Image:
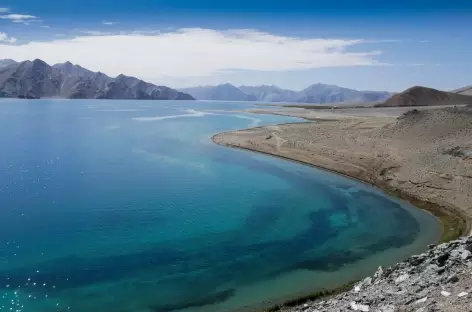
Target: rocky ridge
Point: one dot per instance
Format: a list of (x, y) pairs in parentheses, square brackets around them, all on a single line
[(439, 279), (38, 79)]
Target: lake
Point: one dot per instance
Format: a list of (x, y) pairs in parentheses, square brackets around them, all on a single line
[(128, 206)]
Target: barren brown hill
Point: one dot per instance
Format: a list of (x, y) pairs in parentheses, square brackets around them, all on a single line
[(422, 96), (465, 90)]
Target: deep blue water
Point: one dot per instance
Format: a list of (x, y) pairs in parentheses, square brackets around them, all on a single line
[(128, 206)]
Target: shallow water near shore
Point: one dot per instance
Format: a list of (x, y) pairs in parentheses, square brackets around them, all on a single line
[(129, 206)]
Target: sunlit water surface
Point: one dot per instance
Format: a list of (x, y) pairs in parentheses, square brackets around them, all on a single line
[(120, 206)]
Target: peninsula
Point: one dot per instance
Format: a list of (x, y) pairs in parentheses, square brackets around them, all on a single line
[(421, 154)]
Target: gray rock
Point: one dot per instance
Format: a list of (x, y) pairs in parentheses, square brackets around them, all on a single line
[(417, 260), (440, 270), (455, 253), (445, 293), (468, 246), (378, 274), (442, 258), (422, 300), (466, 255), (359, 307), (388, 308), (423, 293), (401, 278), (452, 279)]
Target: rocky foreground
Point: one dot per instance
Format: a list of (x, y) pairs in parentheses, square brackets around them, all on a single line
[(437, 280)]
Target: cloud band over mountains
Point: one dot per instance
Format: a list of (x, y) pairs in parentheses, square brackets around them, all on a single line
[(194, 52)]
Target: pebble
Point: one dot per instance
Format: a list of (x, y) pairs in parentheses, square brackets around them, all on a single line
[(359, 307), (422, 300), (445, 293), (452, 279), (401, 278), (466, 255), (389, 308)]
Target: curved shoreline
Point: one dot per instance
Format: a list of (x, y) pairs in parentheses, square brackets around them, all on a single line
[(441, 212), (454, 222)]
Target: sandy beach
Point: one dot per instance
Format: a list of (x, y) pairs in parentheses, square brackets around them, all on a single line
[(423, 156)]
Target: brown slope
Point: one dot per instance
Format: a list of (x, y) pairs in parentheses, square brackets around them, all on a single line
[(465, 90), (422, 96)]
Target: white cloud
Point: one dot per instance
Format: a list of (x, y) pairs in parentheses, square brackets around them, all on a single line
[(384, 41), (193, 53), (20, 18), (5, 38), (4, 10), (95, 32), (16, 17), (45, 26), (142, 32), (108, 23), (423, 64)]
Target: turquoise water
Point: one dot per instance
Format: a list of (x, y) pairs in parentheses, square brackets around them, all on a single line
[(129, 206)]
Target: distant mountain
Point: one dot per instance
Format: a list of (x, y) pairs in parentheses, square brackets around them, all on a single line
[(465, 90), (270, 93), (37, 79), (315, 94), (326, 94), (29, 79), (7, 62), (222, 92), (422, 96), (125, 87)]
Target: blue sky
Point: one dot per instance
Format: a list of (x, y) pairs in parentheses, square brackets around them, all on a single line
[(378, 45)]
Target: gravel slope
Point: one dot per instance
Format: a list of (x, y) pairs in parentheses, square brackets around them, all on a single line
[(438, 280)]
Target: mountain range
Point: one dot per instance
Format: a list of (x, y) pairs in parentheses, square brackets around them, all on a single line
[(37, 79), (316, 94)]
